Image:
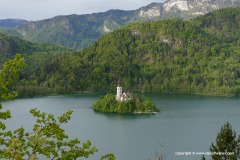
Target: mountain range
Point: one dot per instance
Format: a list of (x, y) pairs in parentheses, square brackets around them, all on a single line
[(80, 31)]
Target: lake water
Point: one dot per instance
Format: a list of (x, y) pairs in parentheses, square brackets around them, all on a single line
[(185, 124)]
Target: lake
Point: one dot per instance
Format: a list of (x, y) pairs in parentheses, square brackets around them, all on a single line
[(185, 124)]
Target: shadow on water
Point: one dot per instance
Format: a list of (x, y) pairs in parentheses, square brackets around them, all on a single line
[(126, 115)]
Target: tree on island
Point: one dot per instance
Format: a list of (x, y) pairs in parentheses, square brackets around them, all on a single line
[(137, 104), (226, 142), (47, 138)]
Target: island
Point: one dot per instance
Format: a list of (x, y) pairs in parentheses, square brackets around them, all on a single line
[(125, 103)]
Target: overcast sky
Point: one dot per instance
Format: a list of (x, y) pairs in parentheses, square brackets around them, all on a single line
[(43, 9)]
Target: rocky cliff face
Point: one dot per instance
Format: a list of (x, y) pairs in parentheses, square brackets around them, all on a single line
[(184, 9), (80, 31)]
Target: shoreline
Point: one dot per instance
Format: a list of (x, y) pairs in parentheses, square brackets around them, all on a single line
[(92, 93)]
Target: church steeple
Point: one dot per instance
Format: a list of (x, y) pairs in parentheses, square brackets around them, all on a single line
[(119, 91), (119, 84)]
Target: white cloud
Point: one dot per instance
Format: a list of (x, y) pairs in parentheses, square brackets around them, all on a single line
[(42, 9)]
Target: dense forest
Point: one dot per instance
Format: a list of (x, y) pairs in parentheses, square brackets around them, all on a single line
[(34, 53), (199, 56)]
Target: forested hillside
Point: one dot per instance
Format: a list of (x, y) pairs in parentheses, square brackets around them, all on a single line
[(36, 56), (197, 56)]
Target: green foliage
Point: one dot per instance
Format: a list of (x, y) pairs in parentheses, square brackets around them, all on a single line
[(109, 156), (226, 142), (8, 75), (199, 56), (46, 139), (137, 104), (7, 92)]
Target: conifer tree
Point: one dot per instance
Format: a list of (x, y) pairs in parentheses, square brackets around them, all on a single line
[(203, 157), (227, 144)]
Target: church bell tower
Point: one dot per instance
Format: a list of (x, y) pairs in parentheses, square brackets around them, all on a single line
[(119, 92)]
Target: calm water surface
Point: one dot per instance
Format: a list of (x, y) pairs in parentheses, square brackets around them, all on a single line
[(186, 123)]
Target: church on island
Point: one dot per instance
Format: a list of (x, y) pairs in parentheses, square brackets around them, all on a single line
[(125, 96), (125, 102)]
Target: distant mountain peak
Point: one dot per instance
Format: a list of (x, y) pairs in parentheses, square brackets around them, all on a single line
[(12, 22), (80, 31)]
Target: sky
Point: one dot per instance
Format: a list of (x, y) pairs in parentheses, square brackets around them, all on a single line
[(43, 9)]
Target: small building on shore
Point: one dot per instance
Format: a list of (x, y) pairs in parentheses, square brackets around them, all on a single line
[(125, 96)]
